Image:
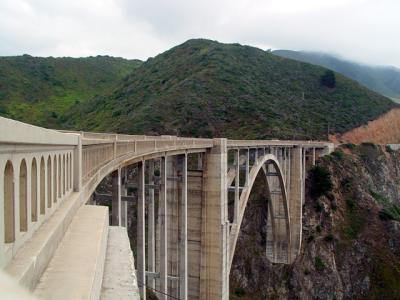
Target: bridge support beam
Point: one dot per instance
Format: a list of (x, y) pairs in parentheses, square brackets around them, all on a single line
[(237, 185), (141, 226), (173, 224), (296, 200), (214, 269), (163, 283), (313, 156), (183, 241), (151, 237), (116, 198), (124, 194)]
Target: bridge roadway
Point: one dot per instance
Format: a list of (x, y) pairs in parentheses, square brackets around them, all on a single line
[(190, 199)]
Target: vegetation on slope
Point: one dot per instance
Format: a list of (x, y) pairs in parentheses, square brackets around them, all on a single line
[(383, 80), (383, 130), (205, 88), (39, 90)]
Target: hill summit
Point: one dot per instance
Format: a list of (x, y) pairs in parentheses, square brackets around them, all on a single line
[(209, 89)]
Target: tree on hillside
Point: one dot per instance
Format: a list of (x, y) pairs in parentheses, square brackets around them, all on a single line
[(328, 79)]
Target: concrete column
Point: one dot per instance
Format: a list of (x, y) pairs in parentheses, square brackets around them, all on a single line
[(313, 156), (214, 267), (115, 145), (151, 251), (163, 231), (237, 185), (173, 225), (285, 164), (141, 250), (116, 198), (195, 200), (295, 201), (183, 243), (124, 192), (303, 175), (200, 161), (248, 166), (289, 166)]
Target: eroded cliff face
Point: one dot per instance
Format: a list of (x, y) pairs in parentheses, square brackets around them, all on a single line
[(351, 234)]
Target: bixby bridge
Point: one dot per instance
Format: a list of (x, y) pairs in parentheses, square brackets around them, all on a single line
[(189, 197)]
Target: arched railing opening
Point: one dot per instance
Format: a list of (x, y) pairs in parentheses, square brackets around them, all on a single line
[(34, 191), (54, 192), (50, 175), (67, 171), (23, 197), (70, 171), (9, 228), (54, 180), (59, 177), (64, 178), (42, 188)]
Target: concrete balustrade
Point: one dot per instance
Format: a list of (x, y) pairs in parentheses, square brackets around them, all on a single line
[(26, 188)]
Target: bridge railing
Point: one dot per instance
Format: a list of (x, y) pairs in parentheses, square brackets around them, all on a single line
[(106, 147), (36, 175), (94, 156), (262, 143)]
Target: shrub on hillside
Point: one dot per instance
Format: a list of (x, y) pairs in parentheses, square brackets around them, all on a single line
[(349, 146), (320, 179), (319, 263), (338, 153), (390, 213), (328, 79), (240, 292)]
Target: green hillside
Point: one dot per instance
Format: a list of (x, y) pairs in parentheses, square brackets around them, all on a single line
[(205, 88), (383, 80), (39, 90)]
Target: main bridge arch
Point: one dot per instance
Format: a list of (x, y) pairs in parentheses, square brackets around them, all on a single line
[(277, 248)]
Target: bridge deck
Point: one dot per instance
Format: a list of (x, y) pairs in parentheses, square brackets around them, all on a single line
[(76, 269)]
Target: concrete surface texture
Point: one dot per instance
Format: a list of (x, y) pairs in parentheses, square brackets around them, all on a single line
[(76, 269), (119, 278)]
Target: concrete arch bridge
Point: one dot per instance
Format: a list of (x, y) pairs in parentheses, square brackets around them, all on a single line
[(189, 195)]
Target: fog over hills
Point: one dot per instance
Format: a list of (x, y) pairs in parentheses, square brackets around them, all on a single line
[(381, 79)]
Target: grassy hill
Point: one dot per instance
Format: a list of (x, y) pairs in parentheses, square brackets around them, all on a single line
[(383, 80), (39, 90), (205, 88)]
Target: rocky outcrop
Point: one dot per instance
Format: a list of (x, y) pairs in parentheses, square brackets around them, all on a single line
[(351, 234)]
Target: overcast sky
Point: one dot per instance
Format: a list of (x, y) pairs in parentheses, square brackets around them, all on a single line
[(364, 30)]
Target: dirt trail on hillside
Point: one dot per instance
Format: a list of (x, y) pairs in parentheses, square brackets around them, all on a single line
[(384, 130)]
